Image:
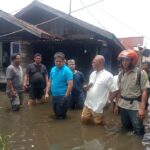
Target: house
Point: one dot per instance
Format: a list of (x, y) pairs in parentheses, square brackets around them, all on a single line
[(16, 36), (131, 42), (58, 31)]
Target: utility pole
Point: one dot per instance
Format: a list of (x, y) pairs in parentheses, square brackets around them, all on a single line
[(70, 7)]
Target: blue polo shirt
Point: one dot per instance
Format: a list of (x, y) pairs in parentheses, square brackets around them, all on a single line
[(59, 80)]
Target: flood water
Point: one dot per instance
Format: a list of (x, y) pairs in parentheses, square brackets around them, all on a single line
[(35, 128)]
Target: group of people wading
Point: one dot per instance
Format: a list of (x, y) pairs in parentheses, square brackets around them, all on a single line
[(67, 87)]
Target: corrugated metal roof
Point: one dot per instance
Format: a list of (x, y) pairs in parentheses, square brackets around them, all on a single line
[(103, 33), (24, 26)]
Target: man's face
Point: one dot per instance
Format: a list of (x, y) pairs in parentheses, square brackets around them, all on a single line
[(17, 61), (59, 62), (72, 65), (96, 64), (145, 66), (125, 63), (37, 59)]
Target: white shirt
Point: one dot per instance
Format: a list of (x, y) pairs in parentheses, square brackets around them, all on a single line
[(116, 80), (97, 95)]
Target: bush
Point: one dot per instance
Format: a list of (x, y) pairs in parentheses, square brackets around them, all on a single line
[(3, 141)]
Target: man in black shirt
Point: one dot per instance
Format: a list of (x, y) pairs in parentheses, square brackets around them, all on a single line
[(36, 75)]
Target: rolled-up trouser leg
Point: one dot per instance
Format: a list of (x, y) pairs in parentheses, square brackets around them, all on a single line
[(86, 115), (98, 118), (15, 103)]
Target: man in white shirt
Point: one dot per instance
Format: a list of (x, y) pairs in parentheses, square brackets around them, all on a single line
[(101, 83)]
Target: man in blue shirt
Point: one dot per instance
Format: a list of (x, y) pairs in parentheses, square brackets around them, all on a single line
[(60, 84)]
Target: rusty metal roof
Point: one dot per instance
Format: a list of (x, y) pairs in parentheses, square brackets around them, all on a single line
[(130, 42), (105, 34), (22, 26)]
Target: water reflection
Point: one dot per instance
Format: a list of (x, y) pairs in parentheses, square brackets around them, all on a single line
[(34, 128)]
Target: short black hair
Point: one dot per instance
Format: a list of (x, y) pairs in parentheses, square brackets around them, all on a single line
[(37, 54), (13, 57), (59, 55)]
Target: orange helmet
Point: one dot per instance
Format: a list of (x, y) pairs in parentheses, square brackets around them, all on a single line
[(131, 54)]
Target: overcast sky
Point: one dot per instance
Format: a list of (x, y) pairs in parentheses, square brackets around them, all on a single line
[(124, 18)]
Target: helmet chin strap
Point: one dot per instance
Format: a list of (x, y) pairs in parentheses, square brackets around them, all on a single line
[(130, 66)]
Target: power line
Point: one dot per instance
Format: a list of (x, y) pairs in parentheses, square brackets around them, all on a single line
[(124, 24), (92, 4), (93, 16)]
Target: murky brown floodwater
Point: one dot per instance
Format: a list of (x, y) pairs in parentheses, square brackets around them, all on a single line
[(32, 128)]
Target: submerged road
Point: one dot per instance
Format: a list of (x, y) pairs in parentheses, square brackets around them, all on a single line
[(36, 128)]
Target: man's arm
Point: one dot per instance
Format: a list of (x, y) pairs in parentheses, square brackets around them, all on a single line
[(141, 112), (69, 88), (144, 96), (10, 87), (112, 95), (46, 75), (46, 79), (9, 76), (47, 89), (116, 107), (26, 79)]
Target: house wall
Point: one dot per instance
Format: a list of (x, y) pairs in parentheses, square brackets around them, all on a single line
[(26, 53)]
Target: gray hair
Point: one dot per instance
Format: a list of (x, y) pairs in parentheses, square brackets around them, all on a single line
[(71, 61), (100, 58)]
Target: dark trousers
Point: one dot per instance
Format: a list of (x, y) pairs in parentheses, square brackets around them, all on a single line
[(36, 93), (77, 101), (130, 120), (60, 106)]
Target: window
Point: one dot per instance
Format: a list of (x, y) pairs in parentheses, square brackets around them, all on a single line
[(6, 51), (15, 47)]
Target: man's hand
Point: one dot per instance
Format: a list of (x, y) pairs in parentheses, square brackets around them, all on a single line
[(46, 97), (108, 104), (25, 86), (141, 113), (13, 93), (116, 110), (87, 87)]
